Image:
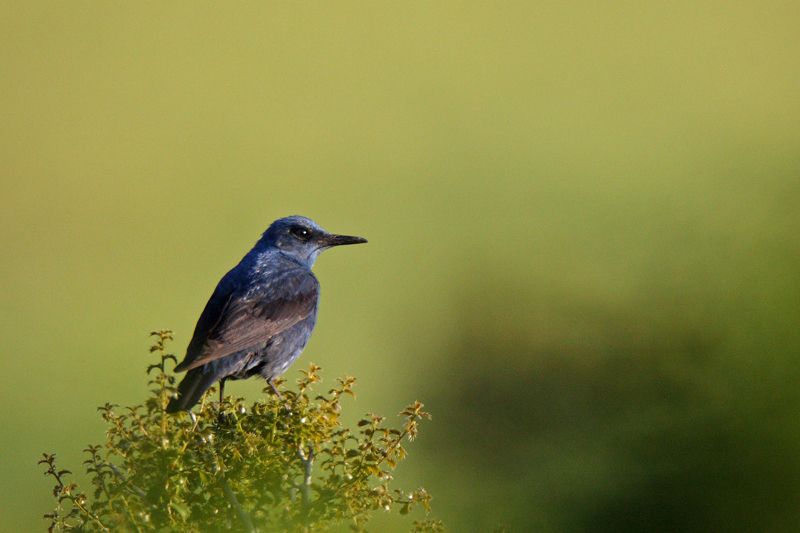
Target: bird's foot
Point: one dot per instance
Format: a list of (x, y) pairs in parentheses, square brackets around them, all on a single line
[(224, 414)]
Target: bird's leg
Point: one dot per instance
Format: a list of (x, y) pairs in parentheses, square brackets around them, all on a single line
[(220, 414), (274, 389), (221, 391)]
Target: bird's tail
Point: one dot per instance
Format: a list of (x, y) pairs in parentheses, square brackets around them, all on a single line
[(191, 389)]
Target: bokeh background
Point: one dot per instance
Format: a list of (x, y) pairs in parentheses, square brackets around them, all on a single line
[(583, 222)]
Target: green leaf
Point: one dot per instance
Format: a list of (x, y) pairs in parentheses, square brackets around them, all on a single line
[(180, 508)]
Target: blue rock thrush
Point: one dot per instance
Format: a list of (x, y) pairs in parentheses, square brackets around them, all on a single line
[(262, 312)]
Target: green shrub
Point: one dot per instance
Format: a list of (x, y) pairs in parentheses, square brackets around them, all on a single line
[(281, 464)]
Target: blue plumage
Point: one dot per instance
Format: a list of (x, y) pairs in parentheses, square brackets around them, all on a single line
[(262, 313)]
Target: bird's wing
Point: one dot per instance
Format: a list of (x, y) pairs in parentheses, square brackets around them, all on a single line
[(232, 322)]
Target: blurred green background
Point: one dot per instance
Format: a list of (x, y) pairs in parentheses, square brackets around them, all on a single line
[(583, 222)]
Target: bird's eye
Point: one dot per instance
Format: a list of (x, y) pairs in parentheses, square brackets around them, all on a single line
[(300, 232)]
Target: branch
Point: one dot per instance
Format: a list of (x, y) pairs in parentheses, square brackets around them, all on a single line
[(243, 516)]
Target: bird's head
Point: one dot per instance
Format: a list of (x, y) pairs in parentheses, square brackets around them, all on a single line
[(303, 239)]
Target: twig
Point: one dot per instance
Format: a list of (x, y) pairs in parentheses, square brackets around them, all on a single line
[(65, 491), (133, 488)]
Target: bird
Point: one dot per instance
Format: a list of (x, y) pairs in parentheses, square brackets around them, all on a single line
[(261, 314)]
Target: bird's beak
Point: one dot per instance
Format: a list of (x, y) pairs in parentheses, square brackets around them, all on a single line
[(339, 240)]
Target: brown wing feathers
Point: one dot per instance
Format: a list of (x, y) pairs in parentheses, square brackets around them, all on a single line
[(248, 320)]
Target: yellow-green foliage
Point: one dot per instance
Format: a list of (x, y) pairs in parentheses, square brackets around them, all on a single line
[(281, 464)]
